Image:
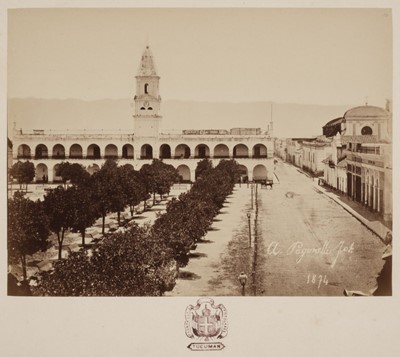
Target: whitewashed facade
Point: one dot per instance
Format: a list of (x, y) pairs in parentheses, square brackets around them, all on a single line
[(252, 149)]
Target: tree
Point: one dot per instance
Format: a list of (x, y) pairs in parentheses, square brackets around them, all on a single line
[(28, 230), (126, 264), (231, 167), (108, 190), (159, 177), (133, 186), (148, 174), (24, 172), (214, 185), (203, 166), (58, 205), (185, 222), (84, 210), (75, 173), (169, 176)]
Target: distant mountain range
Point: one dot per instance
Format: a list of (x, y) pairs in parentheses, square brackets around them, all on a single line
[(290, 120)]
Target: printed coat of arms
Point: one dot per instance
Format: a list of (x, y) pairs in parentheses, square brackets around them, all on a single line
[(206, 322)]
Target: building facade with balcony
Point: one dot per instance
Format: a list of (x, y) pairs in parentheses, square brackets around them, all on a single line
[(252, 149), (280, 149), (362, 151), (314, 153)]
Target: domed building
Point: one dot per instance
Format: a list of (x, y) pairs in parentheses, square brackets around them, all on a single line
[(251, 148), (360, 163)]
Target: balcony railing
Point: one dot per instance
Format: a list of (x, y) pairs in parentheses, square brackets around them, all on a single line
[(182, 157), (24, 156), (375, 150), (147, 157), (93, 157), (58, 156)]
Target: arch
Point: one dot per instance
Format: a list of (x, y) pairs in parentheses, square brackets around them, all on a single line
[(165, 151), (260, 151), (111, 152), (58, 151), (202, 151), (182, 151), (240, 151), (55, 177), (184, 172), (93, 151), (75, 151), (93, 169), (260, 172), (127, 151), (221, 151), (24, 152), (366, 130), (41, 173), (41, 152), (146, 152)]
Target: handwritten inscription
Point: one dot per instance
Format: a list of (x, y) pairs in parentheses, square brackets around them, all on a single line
[(317, 279), (300, 251)]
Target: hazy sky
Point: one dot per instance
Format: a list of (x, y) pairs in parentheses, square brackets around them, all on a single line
[(316, 56)]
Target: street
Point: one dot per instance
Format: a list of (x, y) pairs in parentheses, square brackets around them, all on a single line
[(308, 245)]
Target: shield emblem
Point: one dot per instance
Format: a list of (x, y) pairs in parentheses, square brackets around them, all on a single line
[(206, 321)]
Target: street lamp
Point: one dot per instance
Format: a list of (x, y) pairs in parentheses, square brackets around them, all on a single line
[(242, 279), (252, 186), (248, 218)]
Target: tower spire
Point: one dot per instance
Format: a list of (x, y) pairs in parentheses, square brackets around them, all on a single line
[(271, 124), (147, 66), (147, 99)]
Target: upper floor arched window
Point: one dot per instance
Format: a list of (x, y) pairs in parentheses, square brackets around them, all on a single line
[(366, 130)]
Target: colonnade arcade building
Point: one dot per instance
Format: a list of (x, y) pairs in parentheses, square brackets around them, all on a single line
[(251, 148)]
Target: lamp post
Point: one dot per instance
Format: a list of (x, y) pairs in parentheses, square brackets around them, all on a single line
[(243, 279), (252, 186), (248, 218)]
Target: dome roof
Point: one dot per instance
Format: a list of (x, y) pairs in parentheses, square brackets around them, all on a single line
[(366, 111)]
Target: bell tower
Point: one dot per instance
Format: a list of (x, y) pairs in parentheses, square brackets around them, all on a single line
[(147, 99)]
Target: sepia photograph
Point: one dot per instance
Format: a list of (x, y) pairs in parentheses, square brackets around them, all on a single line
[(186, 176), (199, 152)]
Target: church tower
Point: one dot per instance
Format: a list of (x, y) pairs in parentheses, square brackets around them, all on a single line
[(147, 99)]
